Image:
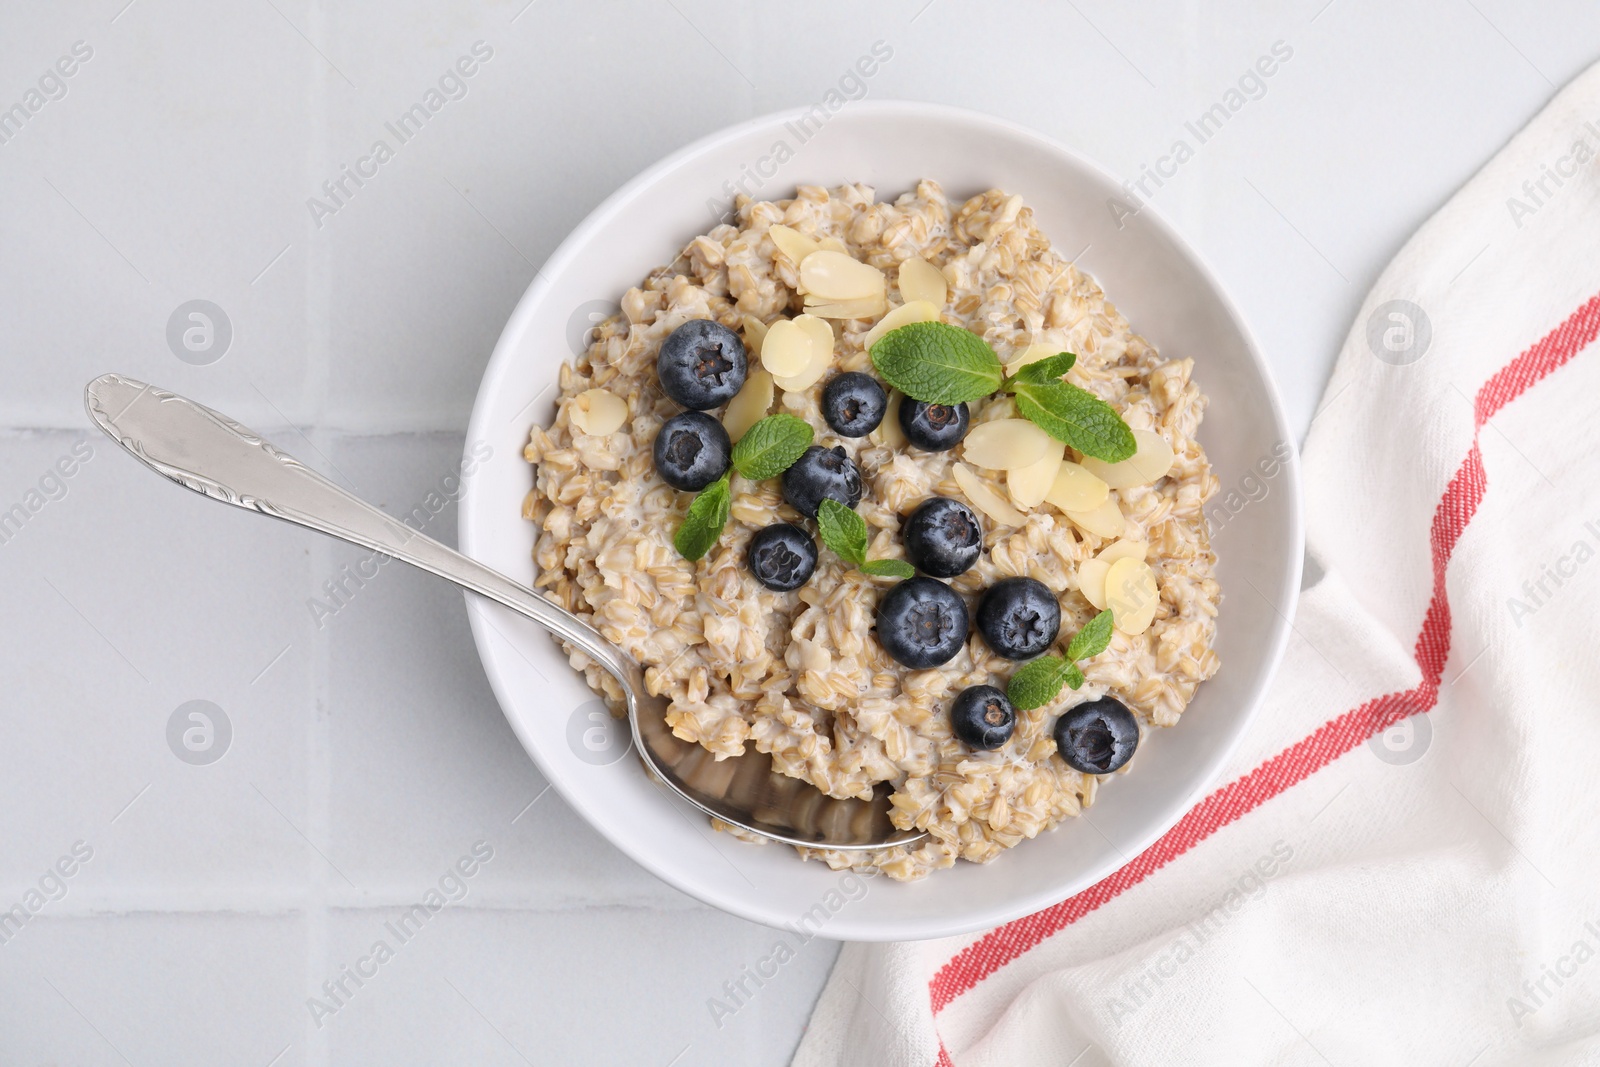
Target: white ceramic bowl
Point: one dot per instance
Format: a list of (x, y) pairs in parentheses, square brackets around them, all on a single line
[(1149, 273)]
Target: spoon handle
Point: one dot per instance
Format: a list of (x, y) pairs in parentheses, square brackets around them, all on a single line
[(208, 452)]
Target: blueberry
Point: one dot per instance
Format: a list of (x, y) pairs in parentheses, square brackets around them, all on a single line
[(1097, 737), (1019, 617), (933, 427), (782, 556), (702, 364), (982, 717), (818, 473), (922, 623), (692, 451), (942, 537), (854, 403)]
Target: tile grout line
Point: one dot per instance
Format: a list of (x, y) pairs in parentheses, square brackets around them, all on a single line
[(319, 771)]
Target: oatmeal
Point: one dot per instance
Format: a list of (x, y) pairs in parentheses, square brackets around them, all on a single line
[(791, 661)]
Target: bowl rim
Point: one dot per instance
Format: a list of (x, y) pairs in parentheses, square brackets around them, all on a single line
[(468, 531)]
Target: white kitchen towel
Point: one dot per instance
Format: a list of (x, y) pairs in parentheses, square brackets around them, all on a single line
[(1402, 863)]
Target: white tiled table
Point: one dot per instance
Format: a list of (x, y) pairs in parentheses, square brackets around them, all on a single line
[(367, 755)]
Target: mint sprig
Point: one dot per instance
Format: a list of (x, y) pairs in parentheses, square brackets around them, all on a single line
[(1039, 681), (1093, 639), (941, 364), (766, 450), (937, 363), (1076, 416), (771, 446), (845, 533), (1049, 369), (703, 524)]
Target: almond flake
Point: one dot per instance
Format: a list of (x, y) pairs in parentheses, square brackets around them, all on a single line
[(820, 333), (755, 331), (921, 280), (1028, 485), (1124, 548), (597, 412), (819, 336), (1150, 462), (749, 406), (1105, 521), (792, 242), (832, 244), (984, 498), (869, 308), (1092, 581), (1075, 489), (889, 433), (1005, 444), (904, 315), (837, 276), (786, 349), (1132, 595)]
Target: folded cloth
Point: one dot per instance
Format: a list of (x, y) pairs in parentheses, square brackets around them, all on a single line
[(1402, 863)]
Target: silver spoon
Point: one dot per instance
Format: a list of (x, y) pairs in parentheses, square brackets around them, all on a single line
[(208, 452)]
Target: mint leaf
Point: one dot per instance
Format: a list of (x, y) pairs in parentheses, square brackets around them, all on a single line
[(843, 531), (708, 514), (771, 446), (1092, 639), (1049, 369), (1038, 682), (936, 363), (1077, 417), (888, 568)]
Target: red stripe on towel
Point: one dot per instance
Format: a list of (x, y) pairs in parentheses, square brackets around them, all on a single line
[(1334, 738)]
